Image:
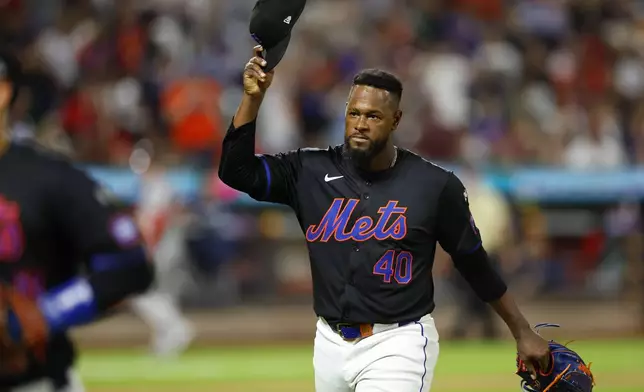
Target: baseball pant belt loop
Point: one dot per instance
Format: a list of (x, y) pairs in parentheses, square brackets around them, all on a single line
[(349, 331)]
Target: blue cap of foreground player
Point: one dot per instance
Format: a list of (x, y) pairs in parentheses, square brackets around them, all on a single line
[(271, 23)]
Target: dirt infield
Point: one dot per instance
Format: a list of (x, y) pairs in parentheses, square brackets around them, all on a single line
[(253, 325)]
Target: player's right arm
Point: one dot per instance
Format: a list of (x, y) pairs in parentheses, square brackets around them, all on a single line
[(459, 236), (263, 177)]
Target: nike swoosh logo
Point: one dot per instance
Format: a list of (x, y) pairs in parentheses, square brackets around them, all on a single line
[(327, 178)]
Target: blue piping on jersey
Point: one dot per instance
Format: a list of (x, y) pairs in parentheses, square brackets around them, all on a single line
[(268, 177), (474, 249)]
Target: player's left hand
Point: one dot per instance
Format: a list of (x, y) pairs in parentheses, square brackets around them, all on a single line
[(533, 351), (23, 331)]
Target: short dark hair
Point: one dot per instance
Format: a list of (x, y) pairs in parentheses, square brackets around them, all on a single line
[(379, 79)]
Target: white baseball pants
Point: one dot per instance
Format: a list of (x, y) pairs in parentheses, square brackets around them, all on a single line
[(394, 359)]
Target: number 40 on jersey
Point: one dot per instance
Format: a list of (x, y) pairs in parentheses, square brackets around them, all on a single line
[(396, 266)]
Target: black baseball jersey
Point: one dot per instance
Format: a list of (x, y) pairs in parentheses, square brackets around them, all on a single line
[(52, 218), (371, 236)]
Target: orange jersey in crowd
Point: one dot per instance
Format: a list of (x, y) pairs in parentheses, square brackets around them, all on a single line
[(192, 108)]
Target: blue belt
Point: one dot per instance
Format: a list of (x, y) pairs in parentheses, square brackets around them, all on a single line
[(352, 331)]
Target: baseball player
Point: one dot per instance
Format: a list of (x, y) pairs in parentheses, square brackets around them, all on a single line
[(164, 237), (67, 255), (372, 214)]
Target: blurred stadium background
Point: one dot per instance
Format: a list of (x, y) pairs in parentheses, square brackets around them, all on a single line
[(537, 104)]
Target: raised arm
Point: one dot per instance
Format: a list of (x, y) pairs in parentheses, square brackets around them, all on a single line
[(263, 177)]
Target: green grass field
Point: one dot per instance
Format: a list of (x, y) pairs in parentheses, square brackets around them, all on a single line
[(462, 366)]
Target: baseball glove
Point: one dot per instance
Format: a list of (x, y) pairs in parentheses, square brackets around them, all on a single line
[(567, 372), (15, 355)]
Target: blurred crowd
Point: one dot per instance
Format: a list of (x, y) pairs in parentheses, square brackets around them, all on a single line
[(504, 82), (147, 84)]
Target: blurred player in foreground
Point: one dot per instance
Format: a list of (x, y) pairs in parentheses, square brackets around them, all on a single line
[(372, 214), (67, 255), (159, 217)]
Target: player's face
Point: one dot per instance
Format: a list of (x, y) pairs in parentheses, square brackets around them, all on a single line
[(372, 115)]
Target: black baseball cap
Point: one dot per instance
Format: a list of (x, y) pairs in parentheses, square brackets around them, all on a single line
[(10, 72), (271, 23)]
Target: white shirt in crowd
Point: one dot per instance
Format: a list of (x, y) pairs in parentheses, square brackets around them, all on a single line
[(583, 152)]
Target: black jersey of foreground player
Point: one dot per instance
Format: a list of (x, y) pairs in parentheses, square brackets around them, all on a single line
[(371, 234)]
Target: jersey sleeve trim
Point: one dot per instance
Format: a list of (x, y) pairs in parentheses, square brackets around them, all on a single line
[(474, 249), (267, 169)]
